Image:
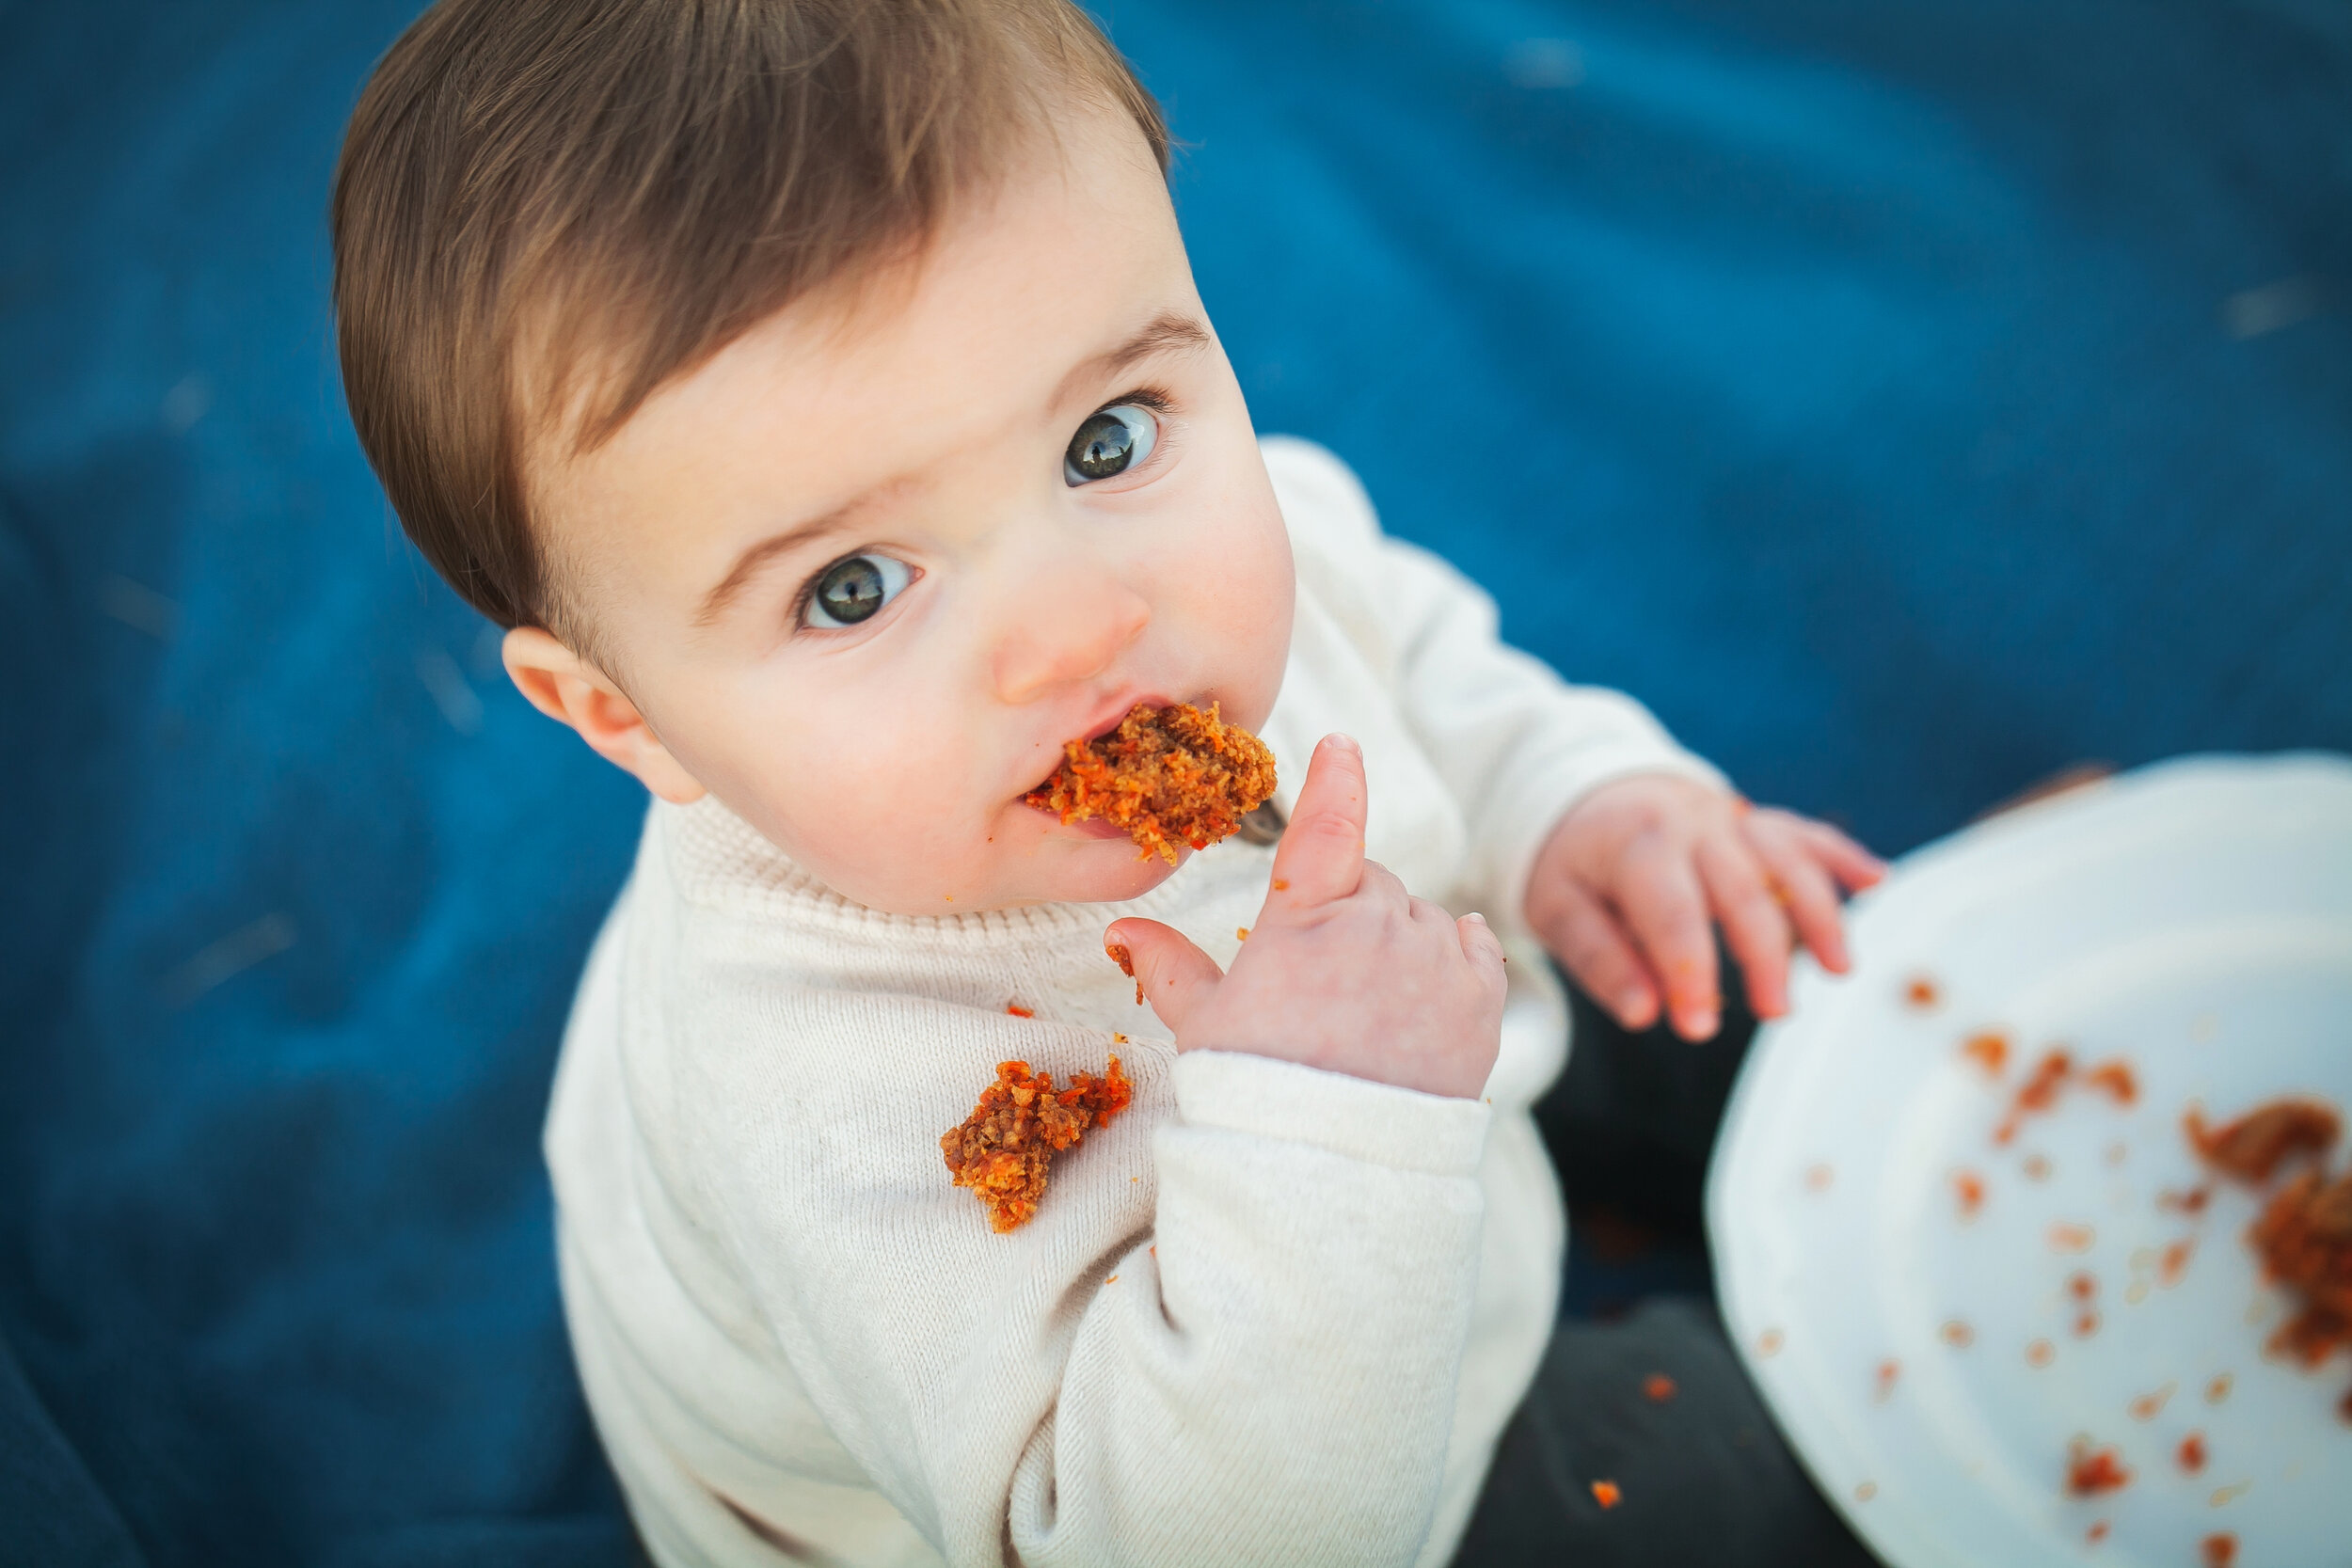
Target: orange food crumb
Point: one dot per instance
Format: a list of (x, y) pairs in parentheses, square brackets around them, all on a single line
[(2220, 1551), (1606, 1494), (2174, 1262), (1988, 1050), (1170, 777), (2091, 1472), (1241, 933), (1819, 1178), (2082, 1286), (1282, 884), (2097, 1532), (1970, 1188), (2039, 1353), (2149, 1407), (1126, 962), (2218, 1390), (2254, 1147), (1888, 1373), (1922, 991), (2192, 1453), (2037, 1167), (1864, 1492), (2086, 1324), (1769, 1342), (2304, 1236), (2192, 1202), (1017, 1010), (1958, 1335), (2115, 1080), (1005, 1147), (2039, 1092), (1658, 1387), (2071, 1238)]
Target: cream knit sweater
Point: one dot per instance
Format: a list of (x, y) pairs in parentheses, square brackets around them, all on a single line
[(1271, 1315)]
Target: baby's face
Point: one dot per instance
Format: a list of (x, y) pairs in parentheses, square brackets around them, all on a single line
[(866, 571)]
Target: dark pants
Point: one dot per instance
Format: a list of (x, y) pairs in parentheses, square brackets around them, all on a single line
[(1700, 1474)]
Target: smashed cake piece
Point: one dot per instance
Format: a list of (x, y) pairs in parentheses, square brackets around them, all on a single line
[(2304, 1236), (1173, 776), (2254, 1147), (1005, 1148)]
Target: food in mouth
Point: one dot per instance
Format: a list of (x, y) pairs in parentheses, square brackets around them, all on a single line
[(1173, 776), (1005, 1148)]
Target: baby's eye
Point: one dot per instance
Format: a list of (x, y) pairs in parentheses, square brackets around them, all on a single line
[(1111, 442), (852, 589)]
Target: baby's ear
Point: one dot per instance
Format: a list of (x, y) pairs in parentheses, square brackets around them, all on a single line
[(569, 689)]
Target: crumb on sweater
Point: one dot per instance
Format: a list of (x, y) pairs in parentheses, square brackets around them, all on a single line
[(1170, 777), (1004, 1149), (1606, 1494)]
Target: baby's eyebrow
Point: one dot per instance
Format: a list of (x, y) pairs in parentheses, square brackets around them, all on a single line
[(715, 601), (1164, 333)]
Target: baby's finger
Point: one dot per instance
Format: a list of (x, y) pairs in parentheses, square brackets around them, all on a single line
[(1321, 857), (1751, 920), (1587, 940), (1854, 867), (1483, 948), (1659, 893), (1174, 974), (1787, 854)]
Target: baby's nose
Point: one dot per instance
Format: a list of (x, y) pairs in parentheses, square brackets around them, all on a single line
[(1067, 628)]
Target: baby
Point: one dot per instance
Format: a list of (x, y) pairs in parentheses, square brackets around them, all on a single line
[(819, 391)]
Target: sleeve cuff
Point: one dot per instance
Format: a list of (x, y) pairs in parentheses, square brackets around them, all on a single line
[(1355, 1117)]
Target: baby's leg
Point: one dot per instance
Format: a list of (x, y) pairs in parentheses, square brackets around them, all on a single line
[(1699, 1475)]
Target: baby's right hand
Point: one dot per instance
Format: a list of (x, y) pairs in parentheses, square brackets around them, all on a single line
[(1345, 969)]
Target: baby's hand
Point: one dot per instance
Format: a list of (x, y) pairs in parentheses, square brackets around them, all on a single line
[(1624, 890), (1345, 969)]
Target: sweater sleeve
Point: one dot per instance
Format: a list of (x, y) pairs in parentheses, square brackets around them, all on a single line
[(1515, 744), (1231, 1335)]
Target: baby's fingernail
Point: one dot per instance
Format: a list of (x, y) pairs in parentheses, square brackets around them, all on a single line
[(1475, 915), (1632, 1005), (1701, 1025), (1345, 742)]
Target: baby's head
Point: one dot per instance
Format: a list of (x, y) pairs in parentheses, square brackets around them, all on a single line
[(819, 391)]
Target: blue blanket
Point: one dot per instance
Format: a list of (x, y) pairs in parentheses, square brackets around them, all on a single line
[(1905, 401)]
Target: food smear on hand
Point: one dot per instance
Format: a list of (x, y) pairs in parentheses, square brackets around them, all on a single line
[(1170, 777), (2091, 1472), (1004, 1149)]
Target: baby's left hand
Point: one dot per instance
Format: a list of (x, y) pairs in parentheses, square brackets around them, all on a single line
[(1626, 891)]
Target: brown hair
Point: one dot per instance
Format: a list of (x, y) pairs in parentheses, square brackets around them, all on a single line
[(638, 182)]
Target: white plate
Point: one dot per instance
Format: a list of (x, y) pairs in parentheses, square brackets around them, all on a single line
[(2195, 918)]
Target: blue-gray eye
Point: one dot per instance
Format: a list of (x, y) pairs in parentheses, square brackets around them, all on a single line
[(852, 589), (1111, 442)]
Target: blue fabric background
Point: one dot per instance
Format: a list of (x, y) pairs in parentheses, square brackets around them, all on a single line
[(1905, 400)]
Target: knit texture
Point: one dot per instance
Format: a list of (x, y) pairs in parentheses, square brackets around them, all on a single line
[(1269, 1315)]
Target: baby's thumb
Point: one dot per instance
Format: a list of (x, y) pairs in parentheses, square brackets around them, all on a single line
[(1174, 974)]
